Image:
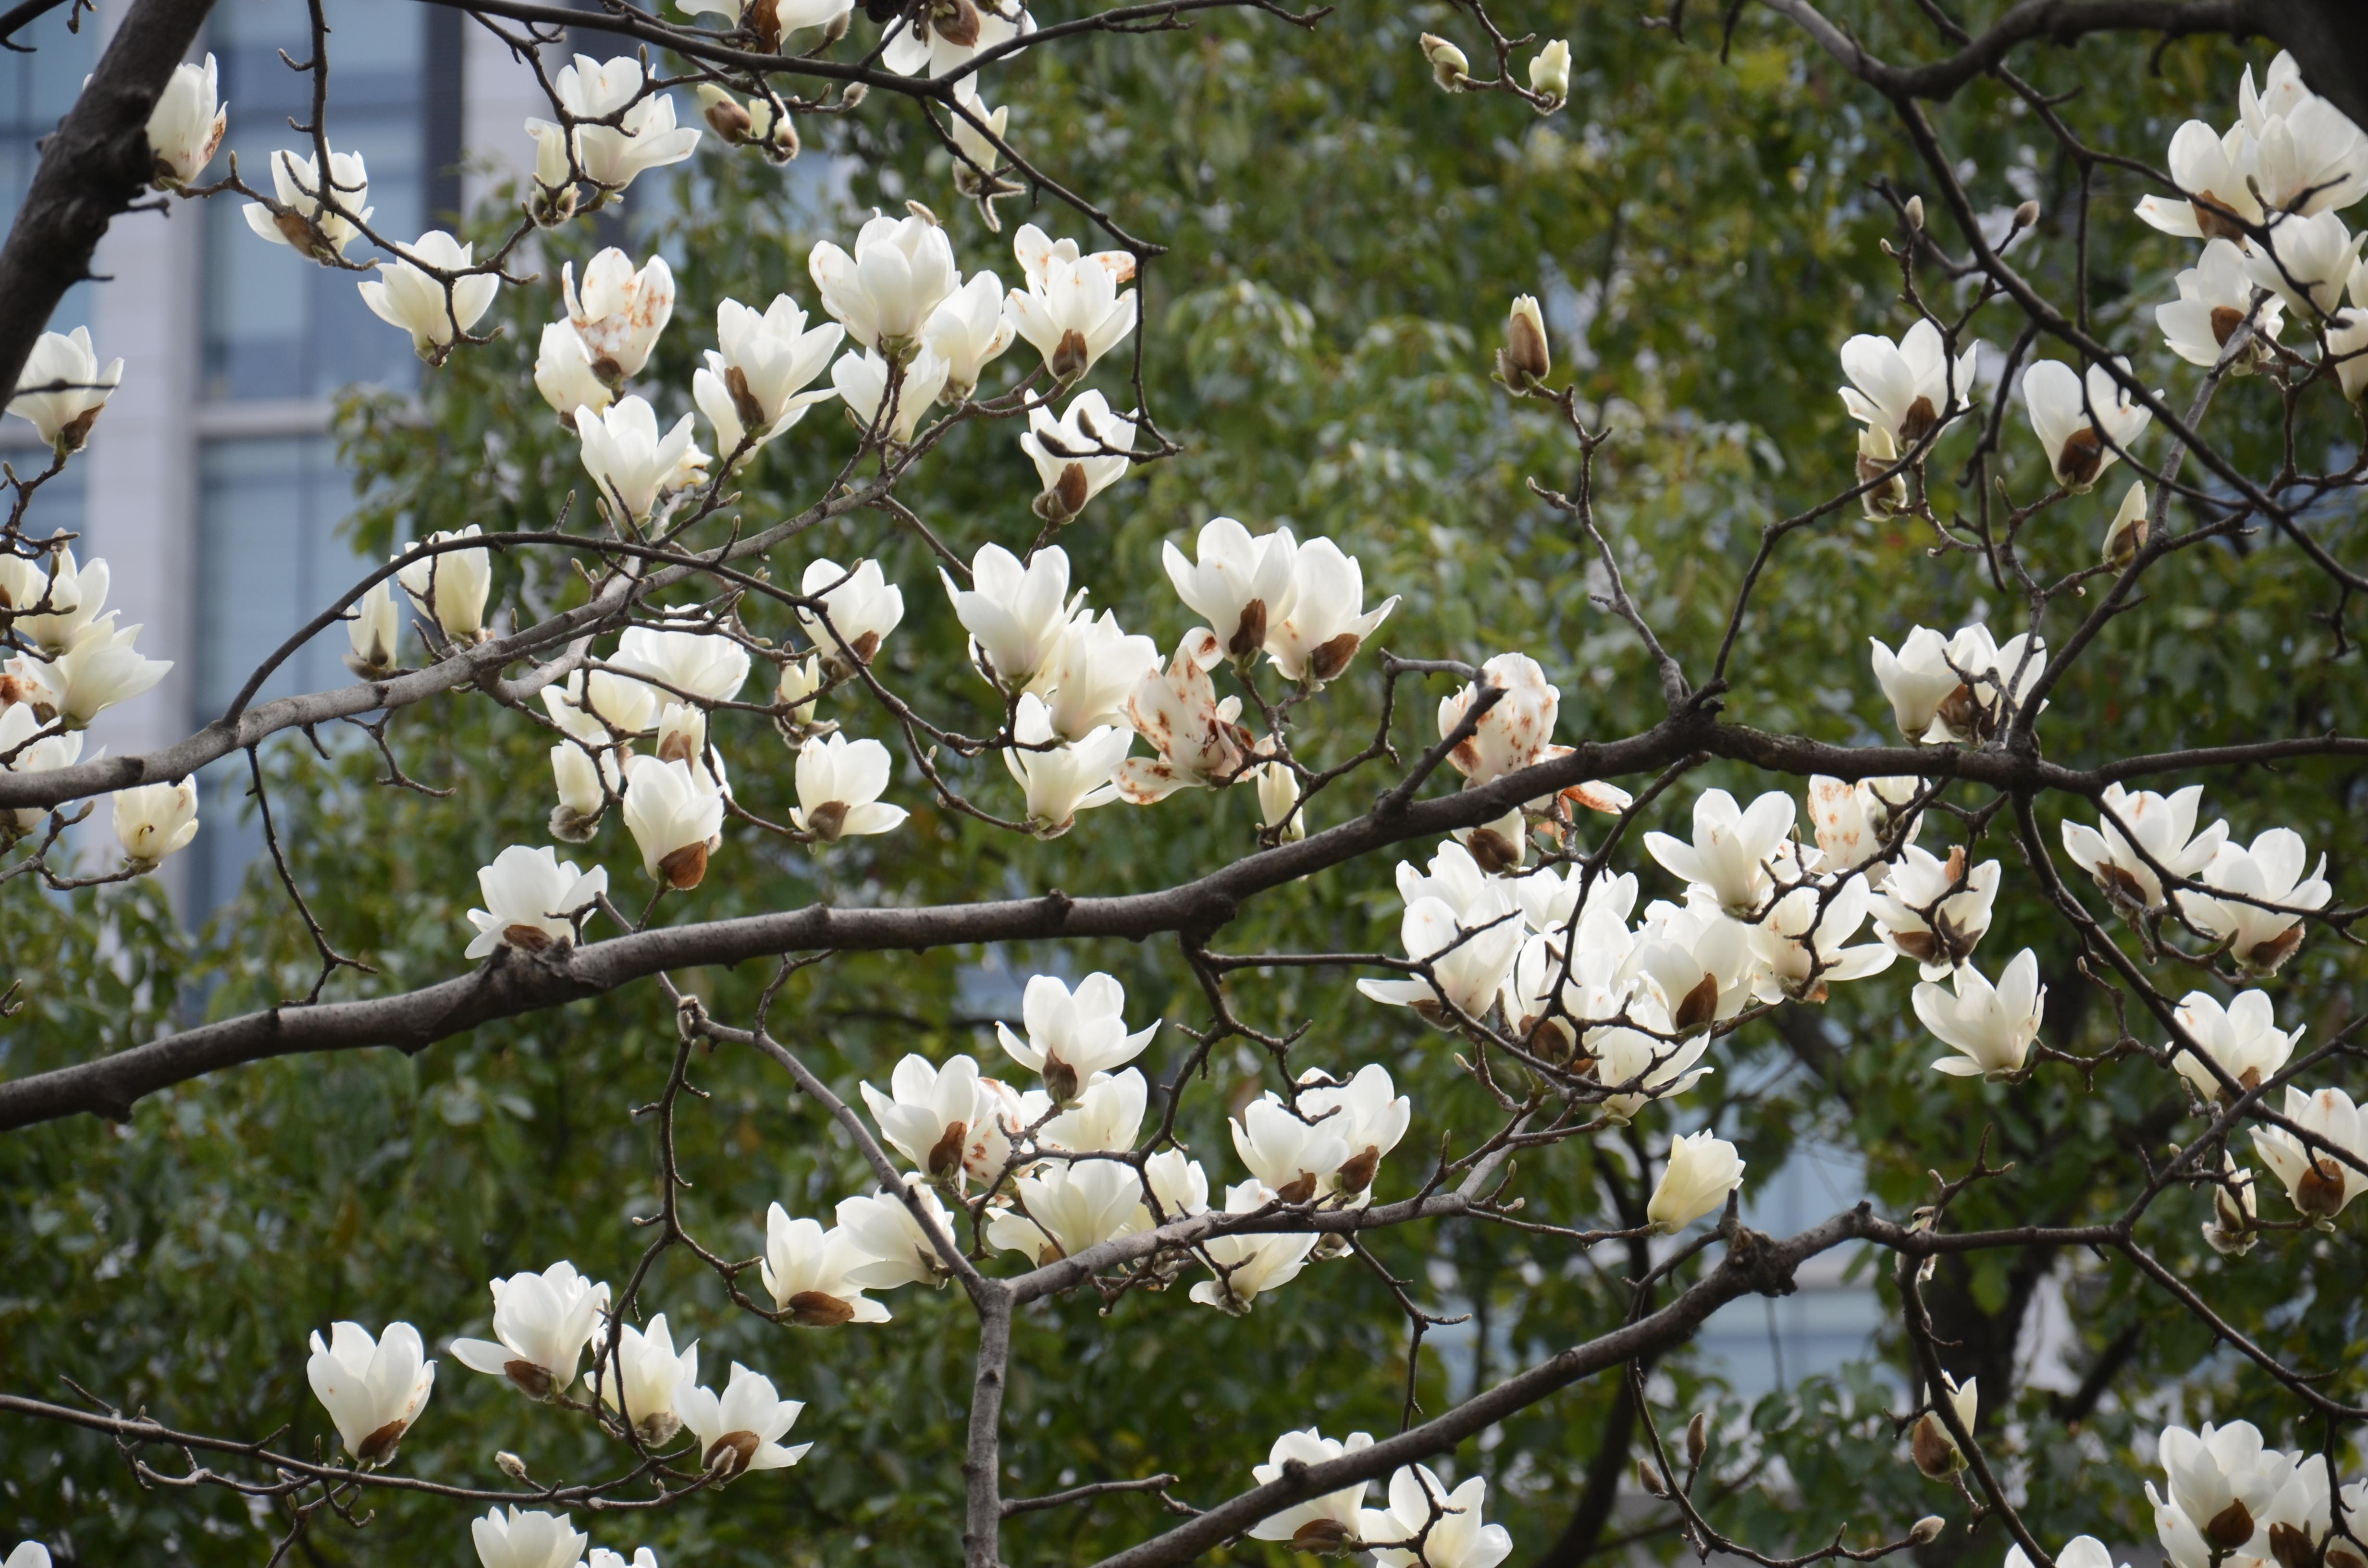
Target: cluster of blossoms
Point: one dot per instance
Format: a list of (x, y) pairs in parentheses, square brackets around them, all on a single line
[(1426, 1523)]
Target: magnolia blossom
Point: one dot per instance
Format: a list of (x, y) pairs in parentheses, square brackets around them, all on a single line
[(2317, 1183), (1527, 360), (809, 1271), (839, 783), (927, 1113), (1072, 309), (103, 667), (1105, 1119), (2222, 1479), (1917, 680), (527, 1538), (1799, 943), (630, 461), (1073, 1035), (1697, 963), (2126, 534), (1550, 72), (28, 1554), (1998, 679), (676, 815), (1702, 1169), (2215, 171), (542, 1322), (1367, 1113), (1097, 667), (19, 726), (2083, 426), (896, 1249), (375, 632), (1325, 1525), (2234, 1226), (63, 386), (754, 385), (185, 129), (1930, 1443), (1993, 1028), (1468, 954), (1240, 586), (1910, 389), (1936, 911), (373, 1388), (619, 310), (979, 171), (1063, 780), (1200, 743), (1077, 456), (1449, 66), (1284, 1151), (1177, 1183), (1515, 731), (2215, 297), (647, 1370), (452, 586), (153, 821), (740, 1430), (564, 374), (1327, 621), (2165, 826), (533, 900), (2080, 1551), (703, 665), (1251, 1264), (863, 385), (1547, 1003), (1853, 820), (1447, 1523), (903, 269), (969, 329), (942, 38), (407, 295), (1278, 795), (2307, 156), (1016, 614), (74, 596), (862, 608), (2271, 871), (1635, 1068), (644, 136), (553, 201), (598, 706), (2243, 1039), (1067, 1207), (2307, 262), (305, 220), (1731, 848)]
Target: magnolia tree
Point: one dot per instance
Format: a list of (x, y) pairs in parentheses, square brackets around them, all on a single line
[(653, 630)]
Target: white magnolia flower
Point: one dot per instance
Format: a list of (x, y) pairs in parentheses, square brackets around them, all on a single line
[(1595, 988), (533, 899), (943, 38), (1917, 680), (2260, 941), (809, 1271), (1286, 1153), (969, 330), (631, 463), (1930, 1443), (619, 310), (373, 1388), (1077, 456), (1327, 621), (1069, 1207), (927, 1113), (1278, 794), (1368, 1114), (1512, 735), (1993, 1028), (1099, 666), (1640, 1068), (1731, 848), (676, 815), (979, 170), (2231, 1231), (543, 1322), (599, 706), (103, 667), (861, 605), (1549, 71), (77, 387), (2126, 534), (1469, 953), (601, 1557), (404, 295), (564, 374), (527, 1538), (1200, 743), (1852, 821), (1071, 310), (643, 138), (896, 1249), (1240, 586), (1993, 670), (74, 596), (375, 631), (740, 1430), (2224, 1478), (1447, 1523), (1073, 1035), (800, 683), (29, 1554), (645, 1369), (1105, 1117), (1017, 615), (1702, 1169), (1178, 1183), (1325, 1525), (903, 269), (2307, 156), (19, 726), (839, 783), (862, 385), (153, 821), (450, 585), (185, 129), (1550, 898), (2080, 1551), (1060, 782), (1924, 914), (2165, 826), (754, 385), (1251, 1264), (306, 224), (2307, 262), (2316, 1182), (2215, 172), (2215, 297), (1908, 389), (553, 201), (704, 666), (2083, 426), (1801, 948), (754, 123), (2242, 1037), (1697, 962), (772, 23)]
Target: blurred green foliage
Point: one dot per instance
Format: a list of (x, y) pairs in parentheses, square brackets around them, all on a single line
[(1342, 240)]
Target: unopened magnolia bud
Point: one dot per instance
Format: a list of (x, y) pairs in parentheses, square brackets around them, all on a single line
[(1698, 1437), (2026, 215), (1927, 1528), (2126, 534), (853, 94), (1550, 72), (511, 1466), (1916, 221), (1933, 1449), (1447, 62), (1650, 1479), (1526, 359), (723, 113)]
